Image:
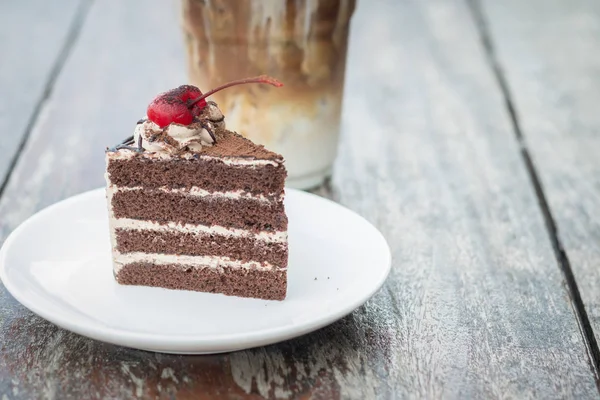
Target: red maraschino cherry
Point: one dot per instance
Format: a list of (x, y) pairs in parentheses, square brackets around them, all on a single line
[(182, 104), (172, 106)]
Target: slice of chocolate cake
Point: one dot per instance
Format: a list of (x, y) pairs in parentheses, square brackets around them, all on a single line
[(194, 206)]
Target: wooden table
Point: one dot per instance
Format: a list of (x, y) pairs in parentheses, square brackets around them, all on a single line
[(471, 139)]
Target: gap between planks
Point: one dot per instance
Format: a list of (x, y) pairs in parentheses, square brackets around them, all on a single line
[(76, 24), (559, 252)]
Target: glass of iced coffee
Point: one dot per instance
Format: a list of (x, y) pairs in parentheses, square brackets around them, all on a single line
[(302, 43)]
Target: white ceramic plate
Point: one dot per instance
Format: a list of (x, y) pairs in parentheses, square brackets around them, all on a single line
[(58, 264)]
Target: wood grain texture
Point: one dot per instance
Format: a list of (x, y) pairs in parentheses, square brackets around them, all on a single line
[(474, 306), (480, 311), (548, 51), (33, 33)]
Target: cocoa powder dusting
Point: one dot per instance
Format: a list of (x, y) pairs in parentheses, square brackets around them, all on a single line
[(232, 144)]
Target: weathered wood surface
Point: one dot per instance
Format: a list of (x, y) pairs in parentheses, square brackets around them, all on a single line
[(35, 36), (549, 53), (475, 305), (480, 307)]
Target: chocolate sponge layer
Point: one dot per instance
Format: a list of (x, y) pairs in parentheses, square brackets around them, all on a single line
[(210, 175), (262, 284), (242, 248), (164, 207)]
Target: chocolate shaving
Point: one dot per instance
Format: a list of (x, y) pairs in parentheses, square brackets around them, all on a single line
[(127, 144), (212, 103), (124, 144), (209, 129)]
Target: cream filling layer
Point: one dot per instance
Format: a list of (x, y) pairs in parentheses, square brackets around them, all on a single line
[(134, 224), (121, 260), (196, 191), (125, 154)]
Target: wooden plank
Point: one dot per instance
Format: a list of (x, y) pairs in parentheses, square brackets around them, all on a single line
[(34, 35), (475, 305), (481, 310), (549, 53)]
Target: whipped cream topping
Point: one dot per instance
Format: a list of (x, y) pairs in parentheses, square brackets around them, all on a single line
[(175, 137)]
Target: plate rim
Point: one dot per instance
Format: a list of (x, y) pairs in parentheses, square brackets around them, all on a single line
[(211, 343)]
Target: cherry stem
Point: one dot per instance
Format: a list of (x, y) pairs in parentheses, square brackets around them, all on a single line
[(256, 79)]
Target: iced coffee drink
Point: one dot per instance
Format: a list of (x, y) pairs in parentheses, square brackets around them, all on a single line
[(302, 43)]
